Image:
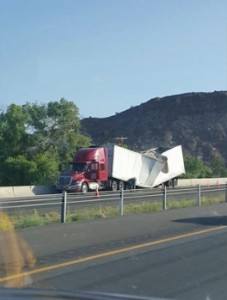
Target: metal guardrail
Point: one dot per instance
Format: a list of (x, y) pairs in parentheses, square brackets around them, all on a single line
[(120, 199)]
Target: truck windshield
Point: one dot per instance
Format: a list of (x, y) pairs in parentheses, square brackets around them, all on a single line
[(80, 167)]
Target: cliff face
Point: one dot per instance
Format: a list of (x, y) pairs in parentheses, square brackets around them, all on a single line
[(197, 121)]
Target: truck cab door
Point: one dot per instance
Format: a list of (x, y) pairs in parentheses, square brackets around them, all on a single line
[(94, 168), (103, 172), (98, 171)]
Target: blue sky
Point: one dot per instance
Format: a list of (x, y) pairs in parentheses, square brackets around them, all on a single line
[(109, 55)]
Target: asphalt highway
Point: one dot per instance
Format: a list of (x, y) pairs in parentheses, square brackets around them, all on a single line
[(176, 254)]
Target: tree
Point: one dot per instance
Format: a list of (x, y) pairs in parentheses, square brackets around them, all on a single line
[(195, 168), (218, 168), (17, 171), (42, 169), (46, 168), (35, 138), (56, 127), (13, 136)]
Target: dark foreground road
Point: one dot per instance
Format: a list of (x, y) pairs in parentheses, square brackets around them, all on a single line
[(178, 254)]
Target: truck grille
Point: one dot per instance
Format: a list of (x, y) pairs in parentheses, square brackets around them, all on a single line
[(64, 180)]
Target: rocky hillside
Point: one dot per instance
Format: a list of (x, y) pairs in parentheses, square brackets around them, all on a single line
[(197, 121)]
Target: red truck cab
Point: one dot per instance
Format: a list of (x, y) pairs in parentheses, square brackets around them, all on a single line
[(88, 169)]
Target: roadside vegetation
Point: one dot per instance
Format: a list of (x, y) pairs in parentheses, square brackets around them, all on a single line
[(196, 168), (35, 138), (35, 219)]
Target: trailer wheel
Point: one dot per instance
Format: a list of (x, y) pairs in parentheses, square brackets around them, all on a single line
[(114, 185), (121, 185), (131, 184), (166, 184), (84, 188), (174, 182)]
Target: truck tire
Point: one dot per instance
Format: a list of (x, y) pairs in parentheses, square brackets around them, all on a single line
[(114, 185), (121, 185), (131, 184), (84, 188), (174, 182), (167, 183)]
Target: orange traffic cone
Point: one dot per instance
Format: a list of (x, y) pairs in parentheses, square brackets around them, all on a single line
[(97, 193)]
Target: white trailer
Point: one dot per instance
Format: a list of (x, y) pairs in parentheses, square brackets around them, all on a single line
[(116, 167), (173, 168), (148, 169)]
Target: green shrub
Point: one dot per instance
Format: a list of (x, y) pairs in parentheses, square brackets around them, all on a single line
[(29, 220)]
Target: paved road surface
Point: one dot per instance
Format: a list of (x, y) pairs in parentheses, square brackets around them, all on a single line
[(178, 254)]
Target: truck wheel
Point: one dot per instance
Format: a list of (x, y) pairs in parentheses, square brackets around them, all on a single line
[(131, 184), (167, 183), (174, 182), (114, 185), (84, 188), (121, 185)]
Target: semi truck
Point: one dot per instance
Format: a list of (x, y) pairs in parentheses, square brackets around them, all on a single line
[(115, 167)]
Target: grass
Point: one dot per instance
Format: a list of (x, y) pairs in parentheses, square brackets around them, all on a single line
[(92, 214), (6, 223), (213, 200), (143, 207), (24, 221), (181, 203), (35, 219)]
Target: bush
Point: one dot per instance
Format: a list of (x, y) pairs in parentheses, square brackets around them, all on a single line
[(29, 220)]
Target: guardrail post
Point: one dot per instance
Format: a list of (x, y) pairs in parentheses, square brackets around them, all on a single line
[(226, 192), (199, 194), (63, 206), (164, 199), (121, 207)]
